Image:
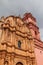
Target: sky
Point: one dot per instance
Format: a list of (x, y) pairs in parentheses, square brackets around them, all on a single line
[(19, 7)]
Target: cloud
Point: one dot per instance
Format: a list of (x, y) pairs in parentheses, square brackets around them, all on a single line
[(41, 34), (16, 7), (19, 7)]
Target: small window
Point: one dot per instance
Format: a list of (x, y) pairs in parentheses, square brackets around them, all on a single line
[(19, 44)]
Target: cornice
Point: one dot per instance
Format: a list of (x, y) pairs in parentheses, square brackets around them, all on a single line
[(38, 43), (30, 23), (13, 54), (10, 46)]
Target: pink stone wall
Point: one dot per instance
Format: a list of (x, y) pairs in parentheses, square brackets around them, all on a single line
[(39, 56)]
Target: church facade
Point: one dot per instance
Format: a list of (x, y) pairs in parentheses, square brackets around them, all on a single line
[(20, 42)]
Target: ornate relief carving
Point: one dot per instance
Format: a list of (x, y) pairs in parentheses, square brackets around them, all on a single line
[(16, 34)]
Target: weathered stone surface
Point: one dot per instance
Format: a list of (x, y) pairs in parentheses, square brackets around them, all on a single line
[(11, 52)]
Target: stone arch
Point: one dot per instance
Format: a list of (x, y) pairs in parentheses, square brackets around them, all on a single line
[(22, 61), (19, 63)]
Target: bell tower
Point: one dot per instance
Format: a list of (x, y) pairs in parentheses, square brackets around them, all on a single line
[(17, 43), (32, 25)]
